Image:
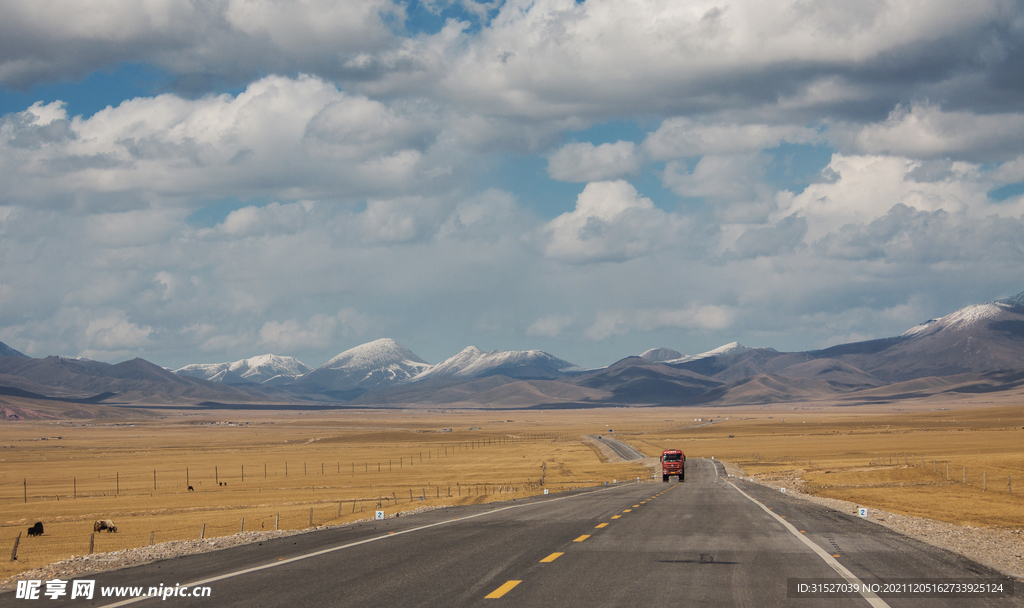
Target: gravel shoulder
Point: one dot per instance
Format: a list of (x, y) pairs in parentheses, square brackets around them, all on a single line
[(997, 548)]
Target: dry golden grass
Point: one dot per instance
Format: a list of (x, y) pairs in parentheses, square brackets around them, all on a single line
[(892, 460), (340, 465), (328, 469)]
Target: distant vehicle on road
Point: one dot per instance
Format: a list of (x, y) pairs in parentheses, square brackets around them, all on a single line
[(673, 462)]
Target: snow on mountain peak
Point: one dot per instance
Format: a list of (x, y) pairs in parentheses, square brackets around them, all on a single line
[(257, 369), (378, 353), (962, 319), (732, 348), (661, 354), (471, 362)]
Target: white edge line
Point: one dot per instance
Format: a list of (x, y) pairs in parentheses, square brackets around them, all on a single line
[(349, 545), (870, 596)]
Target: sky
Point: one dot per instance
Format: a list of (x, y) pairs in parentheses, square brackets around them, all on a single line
[(200, 182)]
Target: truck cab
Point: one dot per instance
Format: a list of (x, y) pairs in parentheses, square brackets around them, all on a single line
[(673, 462)]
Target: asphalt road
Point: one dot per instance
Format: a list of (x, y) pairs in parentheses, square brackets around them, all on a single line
[(622, 450), (705, 542)]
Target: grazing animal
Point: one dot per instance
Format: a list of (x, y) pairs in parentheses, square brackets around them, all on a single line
[(36, 530), (191, 489), (104, 524)]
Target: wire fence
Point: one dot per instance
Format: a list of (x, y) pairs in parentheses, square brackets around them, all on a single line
[(60, 540)]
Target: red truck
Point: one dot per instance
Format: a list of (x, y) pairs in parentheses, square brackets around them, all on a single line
[(673, 462)]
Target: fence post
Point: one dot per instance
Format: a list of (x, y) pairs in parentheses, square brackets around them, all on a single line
[(241, 526), (92, 543), (14, 551), (202, 533), (311, 517), (152, 535), (984, 481), (277, 519), (947, 471)]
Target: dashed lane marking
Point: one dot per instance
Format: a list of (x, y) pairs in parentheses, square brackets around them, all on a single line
[(551, 558), (601, 525), (500, 591), (581, 539), (616, 516)]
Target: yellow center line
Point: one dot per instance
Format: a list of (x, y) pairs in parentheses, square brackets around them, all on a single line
[(636, 506), (500, 591), (616, 516), (551, 558), (582, 538), (601, 525), (627, 510)]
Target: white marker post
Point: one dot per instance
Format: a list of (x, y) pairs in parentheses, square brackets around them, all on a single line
[(862, 511), (783, 490), (378, 515)]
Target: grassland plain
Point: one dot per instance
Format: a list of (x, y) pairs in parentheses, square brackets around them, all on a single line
[(266, 471), (256, 470), (964, 465)]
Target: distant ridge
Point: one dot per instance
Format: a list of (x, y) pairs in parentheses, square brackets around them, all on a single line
[(7, 351), (976, 349)]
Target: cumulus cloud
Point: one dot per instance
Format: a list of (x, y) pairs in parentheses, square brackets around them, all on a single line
[(733, 177), (611, 222), (550, 326), (283, 137), (116, 333), (319, 331), (925, 131), (681, 137), (585, 162), (53, 39), (618, 323), (864, 188)]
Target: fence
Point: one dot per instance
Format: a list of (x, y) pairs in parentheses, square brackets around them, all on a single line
[(952, 471), (60, 540)]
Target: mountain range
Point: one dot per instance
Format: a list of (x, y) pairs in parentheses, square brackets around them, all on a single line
[(979, 348)]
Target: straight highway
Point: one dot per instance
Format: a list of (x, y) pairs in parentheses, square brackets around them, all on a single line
[(710, 541)]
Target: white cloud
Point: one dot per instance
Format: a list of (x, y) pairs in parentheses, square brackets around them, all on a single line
[(318, 332), (282, 137), (863, 188), (619, 323), (51, 39), (274, 217), (116, 333), (683, 137), (585, 162), (926, 131), (550, 326), (734, 177), (611, 222)]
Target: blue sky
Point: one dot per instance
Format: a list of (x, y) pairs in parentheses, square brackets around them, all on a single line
[(208, 182)]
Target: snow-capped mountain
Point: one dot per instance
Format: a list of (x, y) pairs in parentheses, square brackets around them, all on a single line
[(472, 362), (732, 348), (658, 355), (376, 364), (257, 370), (977, 338)]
